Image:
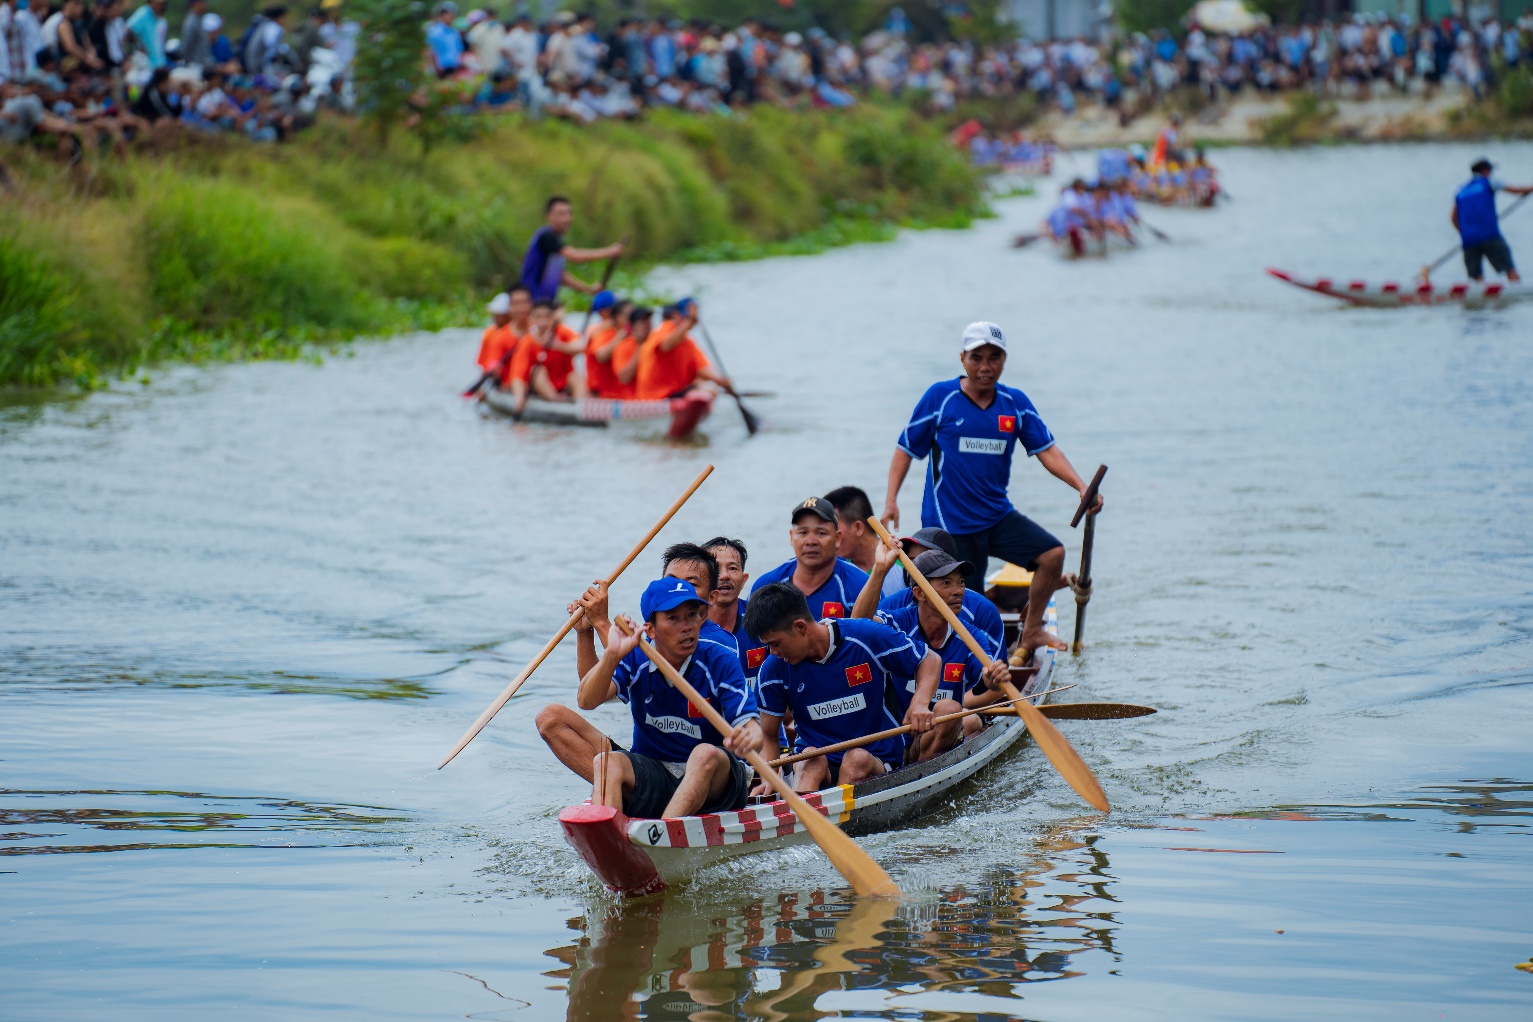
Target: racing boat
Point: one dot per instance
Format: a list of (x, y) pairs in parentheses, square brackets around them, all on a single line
[(1391, 295), (635, 857), (685, 412)]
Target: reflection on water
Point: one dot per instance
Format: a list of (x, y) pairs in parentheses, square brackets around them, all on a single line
[(55, 822), (671, 958), (1466, 804)]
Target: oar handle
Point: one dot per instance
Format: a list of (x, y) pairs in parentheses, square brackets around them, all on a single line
[(878, 736), (516, 683), (605, 277), (1089, 497)]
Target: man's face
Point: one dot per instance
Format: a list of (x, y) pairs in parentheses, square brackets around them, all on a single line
[(791, 644), (501, 318), (520, 305), (850, 533), (814, 540), (560, 216), (541, 318), (984, 364), (732, 576), (675, 631), (640, 329), (695, 572), (949, 587)]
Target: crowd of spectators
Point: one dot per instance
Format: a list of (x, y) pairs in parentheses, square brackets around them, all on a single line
[(75, 68), (103, 69)]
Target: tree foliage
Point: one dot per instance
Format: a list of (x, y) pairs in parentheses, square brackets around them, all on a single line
[(390, 66)]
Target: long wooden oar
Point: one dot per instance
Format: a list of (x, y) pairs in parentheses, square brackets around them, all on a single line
[(1083, 577), (606, 276), (1426, 271), (1059, 751), (751, 422), (878, 736), (1162, 235), (516, 683), (1079, 711), (866, 876)]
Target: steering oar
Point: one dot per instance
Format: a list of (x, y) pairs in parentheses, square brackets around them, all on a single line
[(1054, 745), (857, 866)]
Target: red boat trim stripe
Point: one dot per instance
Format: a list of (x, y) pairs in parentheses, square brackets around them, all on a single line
[(712, 832)]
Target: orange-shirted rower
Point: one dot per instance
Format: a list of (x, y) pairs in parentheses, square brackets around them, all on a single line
[(509, 312), (601, 345), (670, 363), (544, 362)]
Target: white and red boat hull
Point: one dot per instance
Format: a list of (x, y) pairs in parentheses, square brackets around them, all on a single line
[(1392, 294)]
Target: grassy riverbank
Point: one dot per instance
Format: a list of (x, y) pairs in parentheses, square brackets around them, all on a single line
[(215, 249)]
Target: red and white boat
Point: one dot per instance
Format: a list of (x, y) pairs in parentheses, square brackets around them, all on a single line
[(685, 412), (636, 857), (1391, 294)]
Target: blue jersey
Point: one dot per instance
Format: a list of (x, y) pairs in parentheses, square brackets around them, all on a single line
[(665, 725), (850, 693), (834, 598), (981, 617), (1476, 206), (970, 449), (960, 670), (543, 266)]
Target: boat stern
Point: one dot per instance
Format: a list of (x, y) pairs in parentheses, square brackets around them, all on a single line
[(600, 835)]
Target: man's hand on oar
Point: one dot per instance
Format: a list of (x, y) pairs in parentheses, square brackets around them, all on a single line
[(575, 617), (1047, 737), (866, 876)]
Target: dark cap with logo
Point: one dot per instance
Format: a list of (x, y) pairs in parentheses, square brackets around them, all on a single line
[(816, 506), (931, 538), (939, 563)]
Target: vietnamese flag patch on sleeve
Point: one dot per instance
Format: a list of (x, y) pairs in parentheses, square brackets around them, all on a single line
[(1007, 423), (754, 658), (833, 609), (859, 675), (952, 672)]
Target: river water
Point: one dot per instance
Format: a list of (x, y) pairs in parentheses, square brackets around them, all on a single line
[(245, 610)]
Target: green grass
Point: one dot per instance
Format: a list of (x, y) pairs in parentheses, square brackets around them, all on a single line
[(216, 249)]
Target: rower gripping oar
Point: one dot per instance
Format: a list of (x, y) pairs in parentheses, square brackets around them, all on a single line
[(904, 729), (516, 683), (1054, 745), (1426, 271), (752, 424), (1082, 585), (857, 866)]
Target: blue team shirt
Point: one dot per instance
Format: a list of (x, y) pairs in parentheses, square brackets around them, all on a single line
[(981, 617), (960, 670), (848, 694), (970, 450), (665, 725), (833, 599)]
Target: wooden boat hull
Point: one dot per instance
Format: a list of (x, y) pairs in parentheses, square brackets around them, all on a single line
[(685, 413), (1391, 295), (635, 857)]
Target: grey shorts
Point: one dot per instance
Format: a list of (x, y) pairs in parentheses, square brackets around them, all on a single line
[(1495, 251)]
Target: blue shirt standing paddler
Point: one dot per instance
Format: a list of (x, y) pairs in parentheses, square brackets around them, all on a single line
[(968, 430), (545, 267), (1479, 226), (678, 765)]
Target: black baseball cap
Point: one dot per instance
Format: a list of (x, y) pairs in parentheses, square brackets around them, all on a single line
[(818, 506), (1481, 164), (938, 563), (932, 538)]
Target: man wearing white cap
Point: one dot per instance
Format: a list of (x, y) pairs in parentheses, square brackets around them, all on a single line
[(968, 427)]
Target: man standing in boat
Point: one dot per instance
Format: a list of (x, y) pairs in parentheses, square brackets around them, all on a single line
[(1479, 227), (969, 428), (545, 266), (678, 765)]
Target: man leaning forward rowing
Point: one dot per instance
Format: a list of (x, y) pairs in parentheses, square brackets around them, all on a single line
[(678, 765), (969, 428), (840, 679)]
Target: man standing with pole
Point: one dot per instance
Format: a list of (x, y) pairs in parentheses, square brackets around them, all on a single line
[(544, 268), (1479, 228), (969, 427)]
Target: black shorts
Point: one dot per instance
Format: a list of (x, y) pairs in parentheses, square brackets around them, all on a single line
[(653, 786), (1015, 538), (1496, 251)]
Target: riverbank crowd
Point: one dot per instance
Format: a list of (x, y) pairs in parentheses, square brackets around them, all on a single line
[(105, 69)]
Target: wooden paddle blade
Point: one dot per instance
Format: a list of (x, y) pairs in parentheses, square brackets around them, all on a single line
[(752, 424), (867, 877), (1084, 711), (1063, 755), (1024, 240)]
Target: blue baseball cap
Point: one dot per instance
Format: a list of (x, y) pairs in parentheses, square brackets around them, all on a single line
[(603, 300), (685, 306), (667, 594)]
